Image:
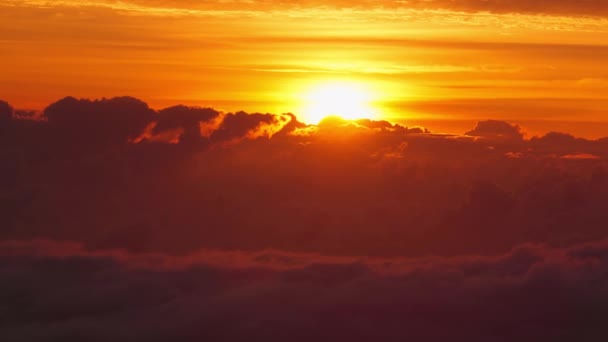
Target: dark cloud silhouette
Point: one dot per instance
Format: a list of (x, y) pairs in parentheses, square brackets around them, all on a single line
[(98, 122), (340, 126), (253, 181), (496, 130), (291, 126), (189, 119), (409, 234), (241, 124), (6, 112), (563, 144)]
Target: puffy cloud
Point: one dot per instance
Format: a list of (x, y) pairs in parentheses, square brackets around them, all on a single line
[(180, 124), (167, 136), (563, 144), (252, 181), (98, 122), (496, 130), (54, 290), (259, 227), (241, 125), (291, 126), (187, 118), (340, 126)]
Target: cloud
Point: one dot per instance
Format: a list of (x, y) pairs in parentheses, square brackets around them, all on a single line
[(497, 130), (188, 118), (6, 113), (187, 7), (580, 156), (562, 7), (234, 226), (114, 173), (98, 122), (54, 290), (167, 136), (241, 125), (179, 124), (335, 125), (562, 144)]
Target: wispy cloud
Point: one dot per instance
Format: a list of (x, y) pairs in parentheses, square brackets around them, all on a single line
[(579, 18)]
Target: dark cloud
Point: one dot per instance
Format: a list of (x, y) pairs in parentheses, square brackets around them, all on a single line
[(377, 125), (6, 113), (53, 291), (496, 130), (291, 126), (184, 178), (190, 224), (98, 122), (240, 125), (189, 119), (566, 144)]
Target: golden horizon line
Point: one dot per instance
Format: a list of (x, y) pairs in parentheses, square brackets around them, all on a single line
[(407, 122)]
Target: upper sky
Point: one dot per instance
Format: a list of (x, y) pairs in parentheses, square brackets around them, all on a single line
[(526, 61)]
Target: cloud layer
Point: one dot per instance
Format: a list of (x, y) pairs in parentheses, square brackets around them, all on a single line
[(115, 173), (561, 7), (53, 291), (189, 223)]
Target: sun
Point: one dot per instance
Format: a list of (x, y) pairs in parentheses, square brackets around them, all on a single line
[(348, 100)]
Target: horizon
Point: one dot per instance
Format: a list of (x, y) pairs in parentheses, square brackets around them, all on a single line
[(317, 170), (592, 130), (419, 60)]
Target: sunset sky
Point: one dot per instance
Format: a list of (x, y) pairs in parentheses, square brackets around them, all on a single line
[(442, 64), (304, 171)]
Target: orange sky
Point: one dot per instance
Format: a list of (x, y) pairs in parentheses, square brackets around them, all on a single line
[(427, 62)]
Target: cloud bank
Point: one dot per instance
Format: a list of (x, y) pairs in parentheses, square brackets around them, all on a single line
[(121, 222), (113, 173), (53, 290)]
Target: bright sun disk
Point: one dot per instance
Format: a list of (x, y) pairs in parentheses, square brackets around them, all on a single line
[(349, 101)]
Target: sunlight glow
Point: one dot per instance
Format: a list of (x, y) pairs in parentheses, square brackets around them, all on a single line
[(348, 100)]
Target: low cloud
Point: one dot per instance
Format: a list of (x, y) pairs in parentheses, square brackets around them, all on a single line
[(53, 290), (114, 173), (123, 223)]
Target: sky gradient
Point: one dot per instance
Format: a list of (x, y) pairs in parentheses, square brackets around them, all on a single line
[(343, 171), (425, 62)]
